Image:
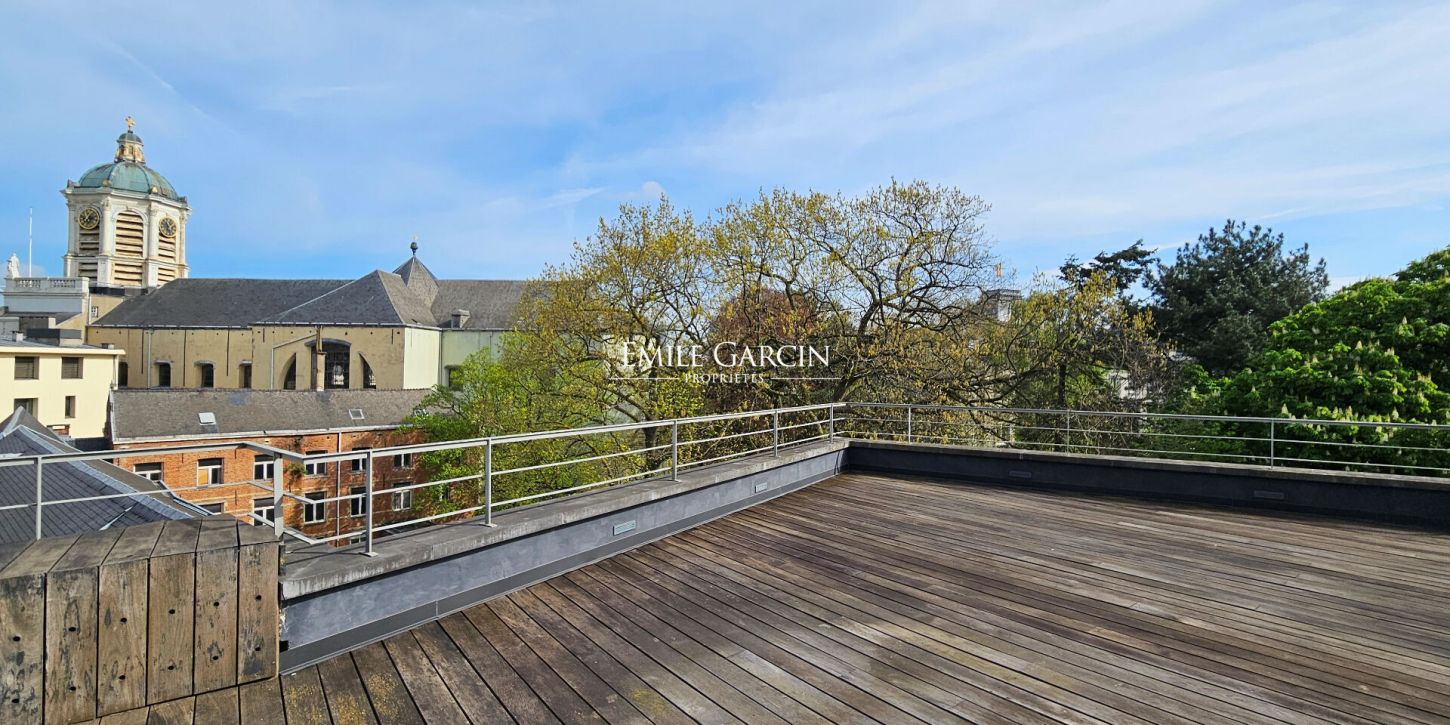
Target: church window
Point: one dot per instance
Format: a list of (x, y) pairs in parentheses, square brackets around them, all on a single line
[(244, 375), (206, 373), (335, 365), (289, 378), (163, 375), (123, 375), (370, 381)]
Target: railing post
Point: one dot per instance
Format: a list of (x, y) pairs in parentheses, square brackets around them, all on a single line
[(909, 436), (39, 499), (775, 432), (831, 424), (1067, 441), (368, 537), (674, 450), (488, 482), (1271, 444), (278, 468)]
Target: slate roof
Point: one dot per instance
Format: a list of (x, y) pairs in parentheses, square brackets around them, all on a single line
[(23, 435), (491, 304), (158, 413), (195, 302), (409, 296), (378, 298)]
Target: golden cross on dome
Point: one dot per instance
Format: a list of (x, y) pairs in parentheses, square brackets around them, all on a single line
[(130, 123)]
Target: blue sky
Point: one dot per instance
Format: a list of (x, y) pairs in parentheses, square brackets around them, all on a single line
[(313, 139)]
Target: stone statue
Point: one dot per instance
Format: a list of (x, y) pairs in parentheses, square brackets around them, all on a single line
[(12, 267)]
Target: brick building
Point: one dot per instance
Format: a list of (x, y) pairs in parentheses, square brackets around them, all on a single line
[(239, 482)]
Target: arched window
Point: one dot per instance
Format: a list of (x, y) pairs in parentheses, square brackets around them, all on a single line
[(370, 381), (335, 364), (289, 377), (163, 374), (205, 375)]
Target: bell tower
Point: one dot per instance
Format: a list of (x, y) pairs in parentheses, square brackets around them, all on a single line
[(126, 223)]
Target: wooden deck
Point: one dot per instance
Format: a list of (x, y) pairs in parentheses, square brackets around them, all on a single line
[(868, 598)]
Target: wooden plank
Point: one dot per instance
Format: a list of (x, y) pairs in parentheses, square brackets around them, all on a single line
[(261, 702), (9, 551), (171, 616), (302, 697), (121, 641), (175, 712), (385, 688), (566, 704), (257, 618), (22, 629), (71, 606), (129, 717), (462, 681), (515, 694), (215, 628), (221, 707), (428, 690), (346, 698)]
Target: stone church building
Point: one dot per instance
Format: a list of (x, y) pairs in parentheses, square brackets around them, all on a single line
[(126, 266)]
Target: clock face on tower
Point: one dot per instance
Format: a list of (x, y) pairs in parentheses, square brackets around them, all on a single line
[(168, 227), (89, 218)]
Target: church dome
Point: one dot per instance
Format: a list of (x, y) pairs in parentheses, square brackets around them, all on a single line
[(128, 172)]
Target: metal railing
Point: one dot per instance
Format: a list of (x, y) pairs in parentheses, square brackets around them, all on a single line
[(475, 478), (1354, 445)]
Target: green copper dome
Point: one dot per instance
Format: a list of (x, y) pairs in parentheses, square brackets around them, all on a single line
[(128, 172)]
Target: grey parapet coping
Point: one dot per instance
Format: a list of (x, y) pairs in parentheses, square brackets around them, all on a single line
[(1298, 474), (315, 569)]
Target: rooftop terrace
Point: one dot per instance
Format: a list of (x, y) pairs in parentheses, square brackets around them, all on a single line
[(884, 598)]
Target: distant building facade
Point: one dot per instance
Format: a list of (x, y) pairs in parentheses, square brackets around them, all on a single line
[(59, 381), (386, 330), (239, 482)]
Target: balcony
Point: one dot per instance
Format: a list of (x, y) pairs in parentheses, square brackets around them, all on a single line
[(882, 563)]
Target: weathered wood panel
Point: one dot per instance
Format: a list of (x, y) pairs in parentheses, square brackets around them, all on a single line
[(170, 612), (22, 626), (257, 616), (216, 606), (71, 602), (121, 642)]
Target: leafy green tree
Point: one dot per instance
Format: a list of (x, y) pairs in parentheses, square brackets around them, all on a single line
[(1376, 351), (1125, 267), (1219, 296)]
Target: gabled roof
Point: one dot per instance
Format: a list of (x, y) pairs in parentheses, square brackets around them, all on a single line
[(195, 302), (148, 414), (378, 298), (411, 295), (419, 279), (22, 435), (491, 304)]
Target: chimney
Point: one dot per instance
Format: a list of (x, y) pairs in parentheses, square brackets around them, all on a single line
[(460, 318), (19, 336)]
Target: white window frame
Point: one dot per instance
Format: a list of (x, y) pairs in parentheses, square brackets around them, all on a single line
[(402, 460), (403, 500), (264, 466), (315, 468), (151, 474), (315, 506), (357, 506), (216, 469)]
